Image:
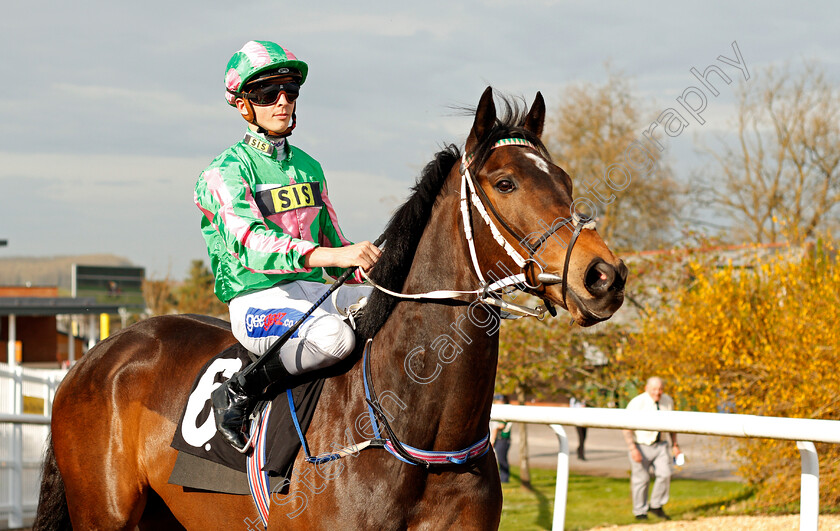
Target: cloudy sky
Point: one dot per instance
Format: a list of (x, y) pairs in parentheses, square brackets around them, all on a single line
[(110, 110)]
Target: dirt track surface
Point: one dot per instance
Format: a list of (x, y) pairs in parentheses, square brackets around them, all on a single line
[(730, 523)]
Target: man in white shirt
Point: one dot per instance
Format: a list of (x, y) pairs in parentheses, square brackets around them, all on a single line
[(650, 448)]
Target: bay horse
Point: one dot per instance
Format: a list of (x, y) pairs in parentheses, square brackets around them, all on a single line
[(115, 413)]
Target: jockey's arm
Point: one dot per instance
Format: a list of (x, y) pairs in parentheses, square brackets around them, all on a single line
[(363, 254)]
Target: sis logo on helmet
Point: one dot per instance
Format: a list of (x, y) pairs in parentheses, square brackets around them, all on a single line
[(257, 57)]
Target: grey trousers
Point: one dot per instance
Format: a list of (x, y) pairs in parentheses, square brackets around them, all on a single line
[(658, 456)]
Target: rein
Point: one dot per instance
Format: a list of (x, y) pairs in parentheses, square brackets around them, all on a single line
[(425, 458)]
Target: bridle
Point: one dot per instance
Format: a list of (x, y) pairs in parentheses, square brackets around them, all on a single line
[(577, 221), (377, 415), (473, 194)]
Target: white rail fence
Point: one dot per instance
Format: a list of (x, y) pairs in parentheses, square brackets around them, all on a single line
[(804, 431), (22, 438)]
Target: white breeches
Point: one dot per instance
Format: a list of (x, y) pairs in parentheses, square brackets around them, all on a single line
[(259, 318)]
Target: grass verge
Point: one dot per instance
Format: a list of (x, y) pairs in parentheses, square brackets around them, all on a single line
[(596, 501)]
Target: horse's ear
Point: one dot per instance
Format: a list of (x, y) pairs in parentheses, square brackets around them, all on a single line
[(536, 116), (485, 117)]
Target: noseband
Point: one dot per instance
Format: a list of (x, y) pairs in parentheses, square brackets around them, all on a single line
[(577, 222)]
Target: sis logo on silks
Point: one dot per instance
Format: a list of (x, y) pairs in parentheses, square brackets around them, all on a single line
[(264, 323)]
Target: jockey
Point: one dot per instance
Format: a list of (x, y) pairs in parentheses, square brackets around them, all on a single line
[(271, 234)]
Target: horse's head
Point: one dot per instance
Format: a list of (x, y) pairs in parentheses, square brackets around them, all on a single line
[(529, 199)]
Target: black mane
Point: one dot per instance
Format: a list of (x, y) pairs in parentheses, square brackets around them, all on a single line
[(403, 232)]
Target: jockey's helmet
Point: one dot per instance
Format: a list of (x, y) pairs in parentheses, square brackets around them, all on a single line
[(260, 60)]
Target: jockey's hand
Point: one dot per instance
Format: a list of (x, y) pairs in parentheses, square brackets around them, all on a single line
[(362, 254)]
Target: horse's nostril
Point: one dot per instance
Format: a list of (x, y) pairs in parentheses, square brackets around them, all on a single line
[(602, 277), (599, 278)]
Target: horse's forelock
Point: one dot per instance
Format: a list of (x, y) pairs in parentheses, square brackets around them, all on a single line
[(510, 123)]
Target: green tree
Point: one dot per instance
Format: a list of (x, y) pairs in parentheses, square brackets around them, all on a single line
[(549, 358), (159, 295), (196, 295), (532, 354)]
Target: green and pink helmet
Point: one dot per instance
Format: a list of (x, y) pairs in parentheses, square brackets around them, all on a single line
[(255, 58)]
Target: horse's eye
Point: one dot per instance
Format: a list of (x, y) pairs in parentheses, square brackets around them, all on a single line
[(505, 186)]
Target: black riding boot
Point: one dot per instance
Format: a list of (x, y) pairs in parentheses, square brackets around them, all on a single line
[(234, 400)]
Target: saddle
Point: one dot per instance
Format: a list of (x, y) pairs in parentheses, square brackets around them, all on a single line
[(205, 459)]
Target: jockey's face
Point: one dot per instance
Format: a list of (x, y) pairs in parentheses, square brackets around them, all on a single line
[(276, 117)]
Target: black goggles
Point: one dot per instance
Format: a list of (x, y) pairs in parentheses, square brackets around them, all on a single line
[(269, 93)]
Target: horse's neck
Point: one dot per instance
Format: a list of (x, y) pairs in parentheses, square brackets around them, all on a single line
[(439, 359)]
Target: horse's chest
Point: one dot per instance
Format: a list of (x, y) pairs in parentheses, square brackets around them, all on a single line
[(381, 493)]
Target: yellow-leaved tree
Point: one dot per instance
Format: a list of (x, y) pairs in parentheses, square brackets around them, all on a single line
[(532, 355), (760, 340)]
